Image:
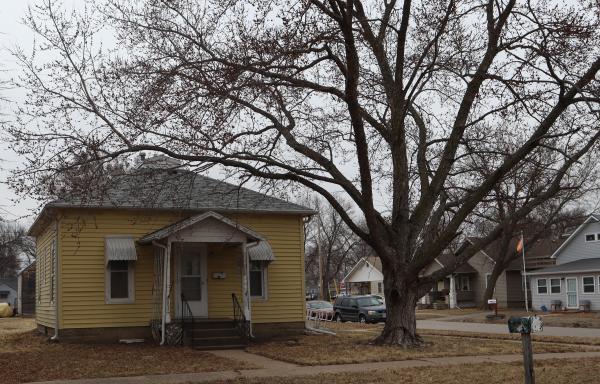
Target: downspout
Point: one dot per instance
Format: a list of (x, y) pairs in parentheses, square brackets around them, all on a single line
[(164, 296), (56, 282)]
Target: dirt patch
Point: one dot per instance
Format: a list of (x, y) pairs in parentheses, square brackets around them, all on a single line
[(29, 357)]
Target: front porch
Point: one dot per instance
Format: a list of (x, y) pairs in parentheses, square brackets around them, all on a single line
[(454, 291), (206, 269)]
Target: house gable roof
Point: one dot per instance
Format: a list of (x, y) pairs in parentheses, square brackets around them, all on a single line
[(362, 262), (10, 282), (577, 266), (153, 189), (592, 218), (180, 225)]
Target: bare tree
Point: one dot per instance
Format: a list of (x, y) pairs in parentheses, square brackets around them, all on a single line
[(386, 102), (331, 243), (15, 247)]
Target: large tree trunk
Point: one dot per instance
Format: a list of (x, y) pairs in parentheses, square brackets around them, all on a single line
[(401, 324), (489, 291)]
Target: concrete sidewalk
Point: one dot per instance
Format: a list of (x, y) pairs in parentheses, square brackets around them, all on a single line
[(273, 368), (503, 328)]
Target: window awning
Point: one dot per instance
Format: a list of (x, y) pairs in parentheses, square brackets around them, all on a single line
[(119, 248), (261, 252)]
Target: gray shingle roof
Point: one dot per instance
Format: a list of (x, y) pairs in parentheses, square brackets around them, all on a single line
[(167, 189), (577, 266), (10, 281)]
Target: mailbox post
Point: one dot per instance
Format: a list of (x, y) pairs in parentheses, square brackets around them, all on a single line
[(525, 326)]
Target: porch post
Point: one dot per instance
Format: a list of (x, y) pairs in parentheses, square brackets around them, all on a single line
[(452, 294), (165, 289), (245, 284), (168, 280)]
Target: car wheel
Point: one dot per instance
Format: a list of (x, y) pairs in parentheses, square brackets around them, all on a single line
[(362, 319)]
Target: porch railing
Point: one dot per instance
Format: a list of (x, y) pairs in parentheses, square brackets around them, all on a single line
[(187, 320), (239, 319)]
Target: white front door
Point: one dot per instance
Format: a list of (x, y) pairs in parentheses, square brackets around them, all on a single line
[(191, 280), (572, 292)]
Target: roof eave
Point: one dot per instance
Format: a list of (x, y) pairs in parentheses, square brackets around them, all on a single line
[(575, 232)]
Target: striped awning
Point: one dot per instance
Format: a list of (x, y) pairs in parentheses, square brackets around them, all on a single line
[(119, 248), (261, 252)]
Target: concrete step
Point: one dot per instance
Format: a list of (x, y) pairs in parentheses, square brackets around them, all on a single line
[(200, 333), (217, 341), (209, 324), (219, 347)]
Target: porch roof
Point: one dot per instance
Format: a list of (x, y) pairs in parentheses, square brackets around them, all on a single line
[(180, 225)]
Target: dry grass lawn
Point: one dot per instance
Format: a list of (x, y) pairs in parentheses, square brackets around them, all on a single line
[(355, 347), (26, 357), (15, 325), (584, 371), (374, 329), (557, 319)]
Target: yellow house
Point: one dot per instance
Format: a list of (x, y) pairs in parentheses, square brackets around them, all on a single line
[(170, 255)]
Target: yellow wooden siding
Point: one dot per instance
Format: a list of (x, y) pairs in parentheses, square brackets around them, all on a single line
[(285, 276), (45, 309), (83, 267)]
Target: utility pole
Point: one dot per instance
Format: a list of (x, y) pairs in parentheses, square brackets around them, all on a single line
[(524, 274)]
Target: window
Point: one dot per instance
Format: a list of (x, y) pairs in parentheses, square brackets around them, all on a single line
[(258, 279), (590, 237), (3, 294), (38, 275), (379, 287), (53, 271), (542, 287), (345, 302), (464, 283), (119, 282), (554, 285), (589, 286), (487, 279)]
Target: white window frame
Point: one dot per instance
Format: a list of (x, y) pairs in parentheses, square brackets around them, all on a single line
[(264, 277), (583, 285), (559, 286), (591, 234), (130, 285), (537, 286)]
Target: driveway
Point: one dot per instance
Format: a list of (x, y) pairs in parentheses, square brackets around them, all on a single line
[(503, 328)]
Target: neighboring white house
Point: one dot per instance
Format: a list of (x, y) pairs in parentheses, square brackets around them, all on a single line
[(8, 290), (365, 277), (575, 279)]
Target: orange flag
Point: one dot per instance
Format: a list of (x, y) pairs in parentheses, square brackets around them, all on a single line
[(520, 245)]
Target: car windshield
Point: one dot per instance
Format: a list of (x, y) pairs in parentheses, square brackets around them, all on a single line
[(367, 301), (320, 305)]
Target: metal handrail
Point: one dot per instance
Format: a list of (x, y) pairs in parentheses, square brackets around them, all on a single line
[(239, 319), (186, 313)]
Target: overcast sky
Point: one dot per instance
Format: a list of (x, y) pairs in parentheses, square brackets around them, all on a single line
[(14, 33)]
